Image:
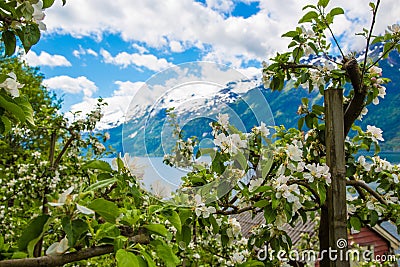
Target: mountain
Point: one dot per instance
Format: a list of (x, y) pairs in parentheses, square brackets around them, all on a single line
[(146, 129)]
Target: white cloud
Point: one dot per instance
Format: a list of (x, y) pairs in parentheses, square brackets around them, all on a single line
[(140, 48), (163, 24), (176, 47), (71, 85), (81, 52), (45, 59), (125, 59), (117, 104), (220, 5), (127, 88)]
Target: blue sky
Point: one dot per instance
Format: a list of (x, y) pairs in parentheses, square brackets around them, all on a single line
[(99, 48)]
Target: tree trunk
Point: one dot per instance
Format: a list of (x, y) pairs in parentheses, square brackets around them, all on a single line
[(334, 214)]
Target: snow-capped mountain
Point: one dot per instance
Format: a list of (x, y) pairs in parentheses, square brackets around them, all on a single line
[(145, 129)]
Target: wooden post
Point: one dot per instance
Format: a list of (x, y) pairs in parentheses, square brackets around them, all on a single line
[(336, 210)]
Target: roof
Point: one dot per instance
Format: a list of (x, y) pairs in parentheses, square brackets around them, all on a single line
[(248, 223)]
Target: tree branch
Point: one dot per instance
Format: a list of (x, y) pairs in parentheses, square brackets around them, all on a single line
[(306, 185), (374, 12), (59, 260), (233, 211), (298, 66), (357, 103), (361, 184), (66, 146), (383, 54), (335, 40)]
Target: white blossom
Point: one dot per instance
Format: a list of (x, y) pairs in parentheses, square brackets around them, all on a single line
[(375, 70), (84, 210), (395, 28), (132, 164), (375, 132), (262, 129), (363, 113), (367, 166), (63, 197), (222, 141), (38, 15), (280, 221), (237, 143), (223, 120), (287, 192), (238, 258), (381, 94), (351, 208), (395, 178), (11, 85), (235, 229), (370, 205), (160, 189), (294, 152), (233, 143), (58, 248), (201, 210)]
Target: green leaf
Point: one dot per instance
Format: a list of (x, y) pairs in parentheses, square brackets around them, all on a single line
[(261, 203), (158, 229), (74, 229), (298, 52), (13, 108), (377, 39), (322, 193), (318, 110), (308, 17), (19, 255), (323, 3), (217, 164), (10, 42), (241, 159), (2, 127), (34, 230), (266, 165), (32, 245), (1, 242), (300, 123), (336, 11), (185, 214), (27, 108), (107, 231), (269, 214), (174, 219), (309, 121), (355, 223), (290, 34), (126, 259), (101, 184), (148, 258), (47, 3), (31, 35), (98, 165), (374, 218), (120, 164), (386, 48), (106, 209), (185, 236), (167, 255)]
